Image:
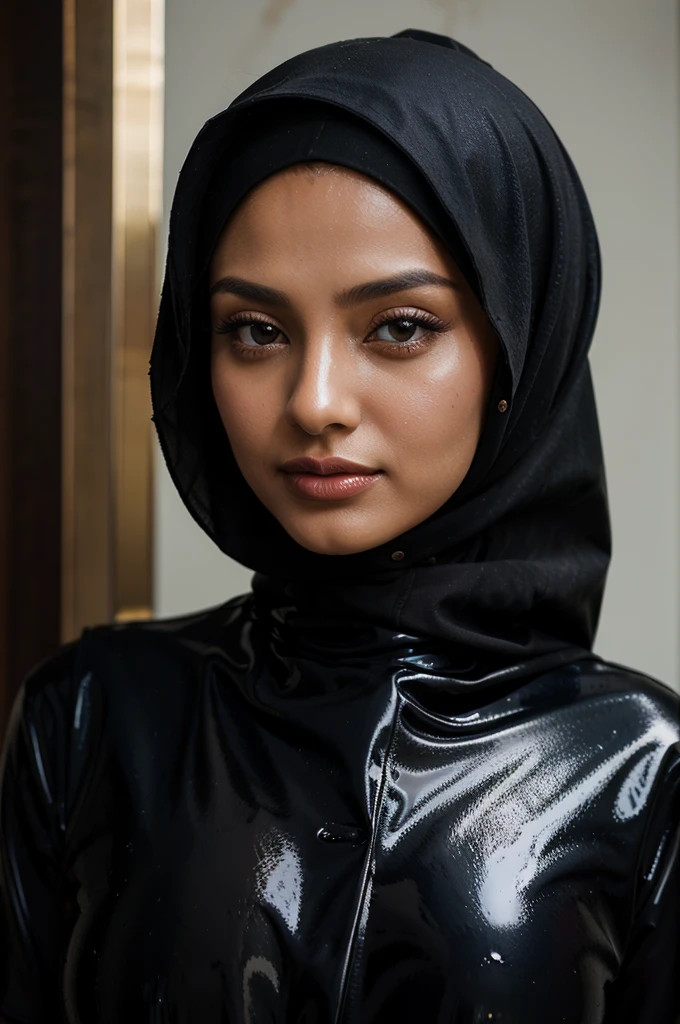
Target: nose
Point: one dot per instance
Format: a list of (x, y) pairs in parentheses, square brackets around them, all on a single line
[(324, 388)]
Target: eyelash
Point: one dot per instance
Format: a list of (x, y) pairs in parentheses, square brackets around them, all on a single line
[(232, 324)]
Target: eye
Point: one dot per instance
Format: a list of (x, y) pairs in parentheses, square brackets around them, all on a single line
[(257, 334), (402, 330), (250, 333)]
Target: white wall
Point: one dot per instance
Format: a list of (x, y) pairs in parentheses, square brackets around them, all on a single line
[(604, 73)]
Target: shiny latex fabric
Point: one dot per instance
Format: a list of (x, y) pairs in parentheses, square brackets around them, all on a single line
[(245, 816)]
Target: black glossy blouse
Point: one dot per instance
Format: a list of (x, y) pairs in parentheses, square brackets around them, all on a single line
[(222, 819)]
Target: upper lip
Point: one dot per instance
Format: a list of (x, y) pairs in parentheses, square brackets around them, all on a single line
[(325, 467)]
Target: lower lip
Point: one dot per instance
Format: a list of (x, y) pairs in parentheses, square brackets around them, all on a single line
[(329, 488)]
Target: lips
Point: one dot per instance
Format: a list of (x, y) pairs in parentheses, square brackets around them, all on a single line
[(328, 479), (326, 467)]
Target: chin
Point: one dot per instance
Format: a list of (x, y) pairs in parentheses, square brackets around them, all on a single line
[(334, 542), (330, 547)]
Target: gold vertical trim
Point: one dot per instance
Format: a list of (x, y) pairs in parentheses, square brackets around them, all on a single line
[(137, 204), (113, 82)]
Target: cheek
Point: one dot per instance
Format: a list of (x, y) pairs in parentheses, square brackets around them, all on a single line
[(248, 418), (435, 413)]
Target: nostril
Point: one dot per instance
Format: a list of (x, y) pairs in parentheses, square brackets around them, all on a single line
[(336, 833)]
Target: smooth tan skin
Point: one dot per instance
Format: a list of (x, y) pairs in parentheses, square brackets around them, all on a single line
[(334, 381)]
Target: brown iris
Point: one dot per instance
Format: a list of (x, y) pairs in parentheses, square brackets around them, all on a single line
[(402, 330)]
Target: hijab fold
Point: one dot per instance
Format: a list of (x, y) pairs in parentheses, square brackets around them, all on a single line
[(509, 573)]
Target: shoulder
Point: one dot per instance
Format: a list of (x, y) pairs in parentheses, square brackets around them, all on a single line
[(196, 632), (611, 735), (46, 688), (125, 658), (633, 696), (115, 680), (642, 715), (34, 751), (57, 680)]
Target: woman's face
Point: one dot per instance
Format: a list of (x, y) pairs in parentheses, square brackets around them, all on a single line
[(343, 330)]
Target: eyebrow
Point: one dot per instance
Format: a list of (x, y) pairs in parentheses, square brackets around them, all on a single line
[(389, 285), (351, 297)]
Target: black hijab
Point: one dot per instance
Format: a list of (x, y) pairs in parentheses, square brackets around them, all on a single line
[(509, 573)]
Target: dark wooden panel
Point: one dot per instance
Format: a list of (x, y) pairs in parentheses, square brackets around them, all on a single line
[(5, 323), (87, 535), (30, 337)]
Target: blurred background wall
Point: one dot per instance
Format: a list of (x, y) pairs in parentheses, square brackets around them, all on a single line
[(604, 72)]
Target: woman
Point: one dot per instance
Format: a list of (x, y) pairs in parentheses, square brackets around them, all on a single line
[(393, 783)]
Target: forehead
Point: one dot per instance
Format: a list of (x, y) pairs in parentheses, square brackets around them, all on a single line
[(325, 210)]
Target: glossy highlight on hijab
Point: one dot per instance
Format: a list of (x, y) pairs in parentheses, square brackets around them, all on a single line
[(343, 329)]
